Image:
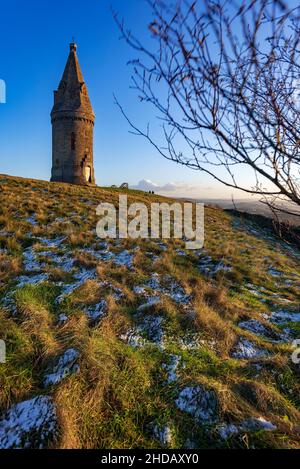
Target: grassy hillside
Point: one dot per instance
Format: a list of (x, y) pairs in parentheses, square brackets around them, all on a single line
[(141, 343)]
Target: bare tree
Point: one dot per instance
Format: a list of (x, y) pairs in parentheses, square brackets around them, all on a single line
[(225, 79)]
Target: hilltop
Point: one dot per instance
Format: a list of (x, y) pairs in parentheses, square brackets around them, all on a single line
[(126, 344)]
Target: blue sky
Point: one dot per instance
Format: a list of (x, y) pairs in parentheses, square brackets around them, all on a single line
[(34, 38)]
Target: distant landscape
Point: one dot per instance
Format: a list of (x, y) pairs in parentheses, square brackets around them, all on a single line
[(255, 207)]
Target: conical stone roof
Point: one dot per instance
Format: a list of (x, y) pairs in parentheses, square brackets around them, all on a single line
[(72, 94)]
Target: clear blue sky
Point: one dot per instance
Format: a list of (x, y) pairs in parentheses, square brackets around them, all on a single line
[(34, 38)]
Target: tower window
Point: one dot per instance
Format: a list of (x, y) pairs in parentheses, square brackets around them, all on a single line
[(73, 141)]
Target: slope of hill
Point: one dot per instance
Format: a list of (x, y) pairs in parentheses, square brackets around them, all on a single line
[(124, 344)]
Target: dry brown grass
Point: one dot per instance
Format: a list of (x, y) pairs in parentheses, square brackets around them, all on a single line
[(209, 321), (9, 267), (38, 325)]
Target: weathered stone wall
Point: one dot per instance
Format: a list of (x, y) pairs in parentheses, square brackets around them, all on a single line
[(72, 149)]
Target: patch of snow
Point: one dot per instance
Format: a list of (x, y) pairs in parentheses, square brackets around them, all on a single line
[(194, 341), (210, 268), (52, 243), (154, 282), (29, 424), (280, 299), (124, 258), (32, 220), (139, 290), (256, 424), (220, 267), (257, 328), (250, 425), (65, 366), (31, 280), (62, 318), (255, 290), (247, 350), (254, 326), (172, 368), (152, 301), (65, 262), (162, 246), (81, 277), (204, 260), (282, 317), (152, 256), (116, 292), (30, 261), (177, 294), (198, 402), (104, 254), (227, 430), (288, 283), (101, 245), (134, 339), (172, 289), (274, 272), (97, 311), (162, 434), (8, 302), (151, 326), (180, 253), (88, 202)]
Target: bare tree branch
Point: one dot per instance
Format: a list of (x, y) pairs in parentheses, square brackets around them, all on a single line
[(224, 77)]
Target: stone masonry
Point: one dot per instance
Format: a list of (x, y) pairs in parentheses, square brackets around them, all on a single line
[(72, 120)]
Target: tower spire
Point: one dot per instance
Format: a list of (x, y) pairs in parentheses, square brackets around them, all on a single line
[(73, 45), (72, 93)]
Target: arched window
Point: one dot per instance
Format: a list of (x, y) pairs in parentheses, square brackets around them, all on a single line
[(73, 141)]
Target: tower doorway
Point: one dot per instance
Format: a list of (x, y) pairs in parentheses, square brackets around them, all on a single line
[(88, 174)]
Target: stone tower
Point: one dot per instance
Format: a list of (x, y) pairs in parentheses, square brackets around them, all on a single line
[(72, 120)]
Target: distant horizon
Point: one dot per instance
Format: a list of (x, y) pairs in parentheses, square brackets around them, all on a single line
[(171, 194)]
